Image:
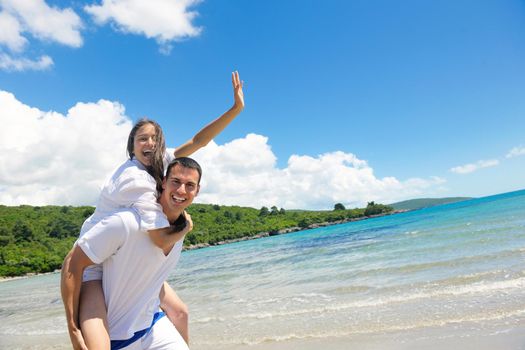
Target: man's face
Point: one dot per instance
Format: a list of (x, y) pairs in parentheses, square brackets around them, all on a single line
[(179, 189)]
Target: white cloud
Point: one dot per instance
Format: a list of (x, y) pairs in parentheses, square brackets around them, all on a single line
[(10, 32), (50, 158), (471, 167), (244, 172), (45, 22), (515, 152), (24, 19), (163, 20), (10, 63)]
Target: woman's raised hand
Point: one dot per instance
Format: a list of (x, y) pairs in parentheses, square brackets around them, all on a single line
[(237, 91)]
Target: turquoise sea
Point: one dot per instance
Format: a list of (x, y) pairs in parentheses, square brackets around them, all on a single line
[(455, 271)]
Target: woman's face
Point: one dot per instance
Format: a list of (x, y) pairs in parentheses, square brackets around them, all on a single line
[(144, 144)]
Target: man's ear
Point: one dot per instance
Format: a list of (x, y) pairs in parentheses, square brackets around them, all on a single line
[(198, 189), (163, 184)]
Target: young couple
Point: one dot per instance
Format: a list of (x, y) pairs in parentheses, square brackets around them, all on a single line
[(135, 236)]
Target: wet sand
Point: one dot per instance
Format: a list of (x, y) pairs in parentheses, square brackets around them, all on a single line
[(442, 338), (465, 336)]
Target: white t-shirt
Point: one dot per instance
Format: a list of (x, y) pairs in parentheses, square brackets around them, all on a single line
[(130, 185), (134, 271)]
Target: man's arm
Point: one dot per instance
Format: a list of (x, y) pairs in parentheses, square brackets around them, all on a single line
[(206, 134), (71, 281)]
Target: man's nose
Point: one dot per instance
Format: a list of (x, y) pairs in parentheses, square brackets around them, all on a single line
[(181, 188)]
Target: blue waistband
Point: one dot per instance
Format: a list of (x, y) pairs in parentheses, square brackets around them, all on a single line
[(119, 344)]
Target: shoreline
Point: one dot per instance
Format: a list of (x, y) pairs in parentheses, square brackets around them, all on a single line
[(289, 230), (27, 275)]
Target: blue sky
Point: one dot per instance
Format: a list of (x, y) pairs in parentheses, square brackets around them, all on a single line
[(348, 101)]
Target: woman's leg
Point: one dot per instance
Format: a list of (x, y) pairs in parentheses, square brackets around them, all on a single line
[(176, 311), (93, 316)]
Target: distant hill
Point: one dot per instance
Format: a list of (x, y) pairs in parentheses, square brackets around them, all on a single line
[(419, 203)]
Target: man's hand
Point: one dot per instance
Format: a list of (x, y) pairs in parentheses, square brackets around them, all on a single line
[(189, 223), (77, 339)]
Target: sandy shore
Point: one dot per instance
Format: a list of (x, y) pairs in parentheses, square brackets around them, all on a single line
[(464, 337), (449, 337)]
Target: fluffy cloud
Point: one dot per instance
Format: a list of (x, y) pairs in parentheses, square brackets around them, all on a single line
[(44, 22), (34, 17), (20, 64), (23, 21), (163, 20), (244, 172), (10, 32), (471, 167), (515, 152), (50, 158)]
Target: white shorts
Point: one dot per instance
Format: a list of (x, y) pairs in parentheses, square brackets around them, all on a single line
[(92, 273), (162, 336)]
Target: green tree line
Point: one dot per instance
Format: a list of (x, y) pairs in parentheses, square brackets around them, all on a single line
[(36, 239)]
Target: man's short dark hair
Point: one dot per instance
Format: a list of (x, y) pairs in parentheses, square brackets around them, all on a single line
[(187, 163)]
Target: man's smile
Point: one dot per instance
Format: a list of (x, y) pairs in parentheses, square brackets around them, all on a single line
[(178, 199)]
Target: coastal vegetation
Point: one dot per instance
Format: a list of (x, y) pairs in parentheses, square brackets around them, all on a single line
[(36, 239)]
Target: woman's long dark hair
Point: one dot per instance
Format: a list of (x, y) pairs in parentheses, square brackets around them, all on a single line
[(156, 169)]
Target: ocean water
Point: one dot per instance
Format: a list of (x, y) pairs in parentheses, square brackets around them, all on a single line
[(459, 266)]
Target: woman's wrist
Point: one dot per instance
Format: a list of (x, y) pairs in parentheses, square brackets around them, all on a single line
[(236, 108), (179, 224)]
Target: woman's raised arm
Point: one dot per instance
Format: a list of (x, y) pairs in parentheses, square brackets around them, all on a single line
[(206, 134)]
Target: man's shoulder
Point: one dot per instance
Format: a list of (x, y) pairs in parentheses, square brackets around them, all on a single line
[(130, 218), (125, 218)]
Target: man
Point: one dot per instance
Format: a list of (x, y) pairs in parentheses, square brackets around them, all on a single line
[(135, 266)]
